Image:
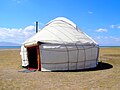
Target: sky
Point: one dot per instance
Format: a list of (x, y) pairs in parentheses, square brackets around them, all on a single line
[(100, 19)]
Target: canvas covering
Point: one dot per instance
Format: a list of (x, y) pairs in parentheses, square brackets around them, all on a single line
[(64, 47)]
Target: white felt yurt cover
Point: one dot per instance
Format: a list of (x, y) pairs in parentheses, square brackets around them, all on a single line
[(63, 47)]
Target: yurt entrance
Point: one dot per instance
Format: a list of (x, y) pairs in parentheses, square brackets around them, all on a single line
[(34, 57)]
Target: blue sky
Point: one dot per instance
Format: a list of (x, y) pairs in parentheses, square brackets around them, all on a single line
[(100, 19)]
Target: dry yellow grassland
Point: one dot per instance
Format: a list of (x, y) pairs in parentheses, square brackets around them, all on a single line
[(106, 77)]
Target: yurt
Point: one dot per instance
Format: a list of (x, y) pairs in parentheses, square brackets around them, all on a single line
[(60, 46)]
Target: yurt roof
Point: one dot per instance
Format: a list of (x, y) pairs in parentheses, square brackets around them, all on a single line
[(60, 31)]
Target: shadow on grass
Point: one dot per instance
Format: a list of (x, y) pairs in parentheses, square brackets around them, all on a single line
[(100, 66)]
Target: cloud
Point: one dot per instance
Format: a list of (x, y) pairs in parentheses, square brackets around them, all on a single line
[(17, 1), (101, 30), (29, 28), (16, 35), (118, 27), (115, 26), (116, 39), (112, 26), (107, 40), (90, 12)]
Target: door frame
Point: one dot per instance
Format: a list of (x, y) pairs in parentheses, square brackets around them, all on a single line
[(37, 47), (38, 57)]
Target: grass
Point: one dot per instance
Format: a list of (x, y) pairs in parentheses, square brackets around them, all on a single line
[(95, 79)]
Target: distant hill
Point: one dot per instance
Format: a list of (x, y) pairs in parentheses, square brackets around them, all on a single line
[(9, 44)]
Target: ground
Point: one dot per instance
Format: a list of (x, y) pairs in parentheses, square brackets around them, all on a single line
[(105, 77)]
